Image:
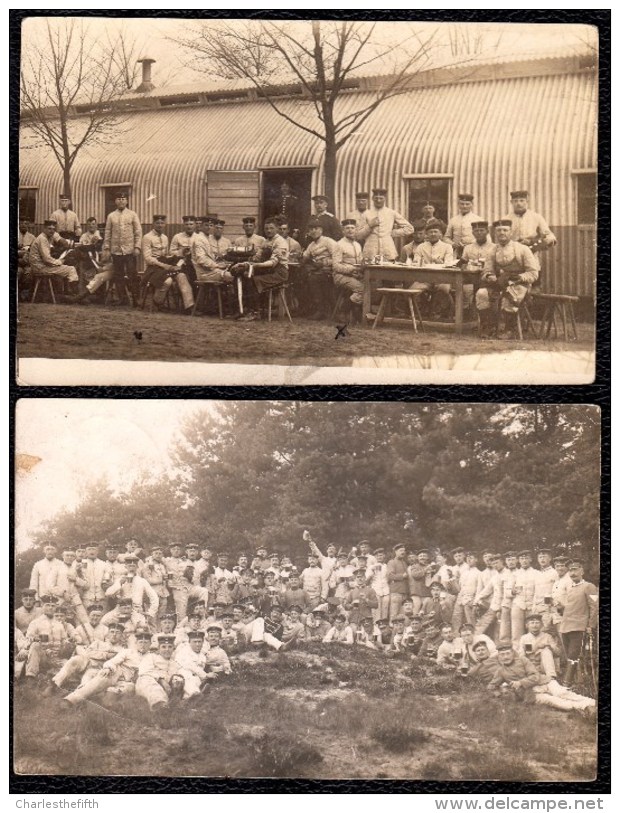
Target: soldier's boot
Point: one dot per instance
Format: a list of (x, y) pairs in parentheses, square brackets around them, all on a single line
[(569, 673), (356, 313), (510, 326), (74, 288), (121, 291), (484, 327)]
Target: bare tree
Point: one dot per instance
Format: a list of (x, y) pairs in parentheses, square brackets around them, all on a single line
[(323, 58), (70, 86), (474, 40)]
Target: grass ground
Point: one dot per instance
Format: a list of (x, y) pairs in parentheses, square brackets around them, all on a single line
[(348, 714), (64, 331)]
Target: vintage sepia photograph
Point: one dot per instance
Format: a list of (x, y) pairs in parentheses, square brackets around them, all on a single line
[(362, 590), (231, 201)]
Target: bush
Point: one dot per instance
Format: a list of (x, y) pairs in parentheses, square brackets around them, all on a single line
[(280, 754), (398, 735)]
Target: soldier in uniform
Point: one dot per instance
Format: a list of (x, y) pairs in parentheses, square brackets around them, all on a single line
[(162, 269), (316, 272), (340, 632), (514, 271), (380, 226), (25, 239), (123, 236), (330, 227), (439, 606), (93, 629), (28, 611), (43, 263), (527, 226), (579, 617), (346, 268), (361, 205), (69, 225), (46, 577), (217, 661), (250, 239), (397, 579), (156, 673), (361, 600), (294, 248), (137, 588), (538, 646), (192, 662), (485, 665), (181, 246), (428, 213), (459, 232), (219, 244), (49, 637), (491, 593), (156, 574), (87, 663), (408, 250), (434, 251), (523, 593)]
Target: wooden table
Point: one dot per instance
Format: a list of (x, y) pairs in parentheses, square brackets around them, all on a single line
[(437, 274)]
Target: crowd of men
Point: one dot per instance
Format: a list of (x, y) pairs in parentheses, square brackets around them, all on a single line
[(328, 257), (164, 627)]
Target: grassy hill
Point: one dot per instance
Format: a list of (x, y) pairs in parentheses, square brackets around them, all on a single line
[(342, 713)]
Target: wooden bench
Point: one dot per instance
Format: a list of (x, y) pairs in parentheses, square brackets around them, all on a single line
[(42, 277), (562, 306), (412, 298), (201, 293)]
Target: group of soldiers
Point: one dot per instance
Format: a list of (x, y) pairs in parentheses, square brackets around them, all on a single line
[(164, 627), (328, 258)]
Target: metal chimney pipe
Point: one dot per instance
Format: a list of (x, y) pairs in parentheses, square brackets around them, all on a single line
[(146, 85)]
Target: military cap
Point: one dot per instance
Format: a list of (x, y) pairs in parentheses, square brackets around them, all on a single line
[(348, 221), (249, 219), (238, 607), (436, 584), (466, 627), (50, 222), (313, 223), (495, 557), (131, 559), (195, 634), (60, 608), (143, 635), (187, 218), (340, 617), (520, 193), (120, 194), (296, 607), (342, 554), (219, 604), (561, 559), (533, 617), (163, 638), (64, 196), (359, 571), (366, 620), (504, 645), (116, 626), (214, 628), (362, 195), (480, 224), (399, 618), (399, 546), (379, 190), (433, 223), (379, 550), (544, 550), (525, 553), (194, 615), (502, 222), (575, 563), (191, 546), (200, 602), (318, 611), (49, 600), (29, 591), (227, 614), (478, 644), (261, 547), (156, 548), (95, 608), (312, 555), (382, 622), (320, 197), (274, 555), (457, 550), (160, 217), (219, 222), (487, 550), (124, 600), (465, 196), (510, 553), (168, 617)]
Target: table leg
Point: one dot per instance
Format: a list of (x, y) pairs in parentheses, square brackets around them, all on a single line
[(458, 310), (366, 302)]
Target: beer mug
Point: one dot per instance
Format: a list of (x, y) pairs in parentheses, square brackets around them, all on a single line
[(43, 638), (548, 601), (529, 648), (464, 668), (457, 655), (358, 636)]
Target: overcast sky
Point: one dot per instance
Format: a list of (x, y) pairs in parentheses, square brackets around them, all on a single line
[(79, 441), (153, 38)]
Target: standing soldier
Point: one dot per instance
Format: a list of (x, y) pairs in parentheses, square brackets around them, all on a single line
[(459, 232), (156, 574), (528, 227), (161, 270), (361, 600), (68, 222), (123, 235), (523, 592), (361, 206), (93, 571), (579, 618), (397, 579), (380, 226), (317, 261), (492, 593), (376, 575), (47, 574), (329, 224), (546, 577)]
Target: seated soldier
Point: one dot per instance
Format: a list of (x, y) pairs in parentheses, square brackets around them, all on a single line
[(516, 676), (467, 638), (24, 272), (506, 283), (270, 630), (87, 663), (317, 626), (346, 268), (271, 271), (366, 633), (439, 605), (217, 661), (117, 675), (434, 251), (158, 675), (293, 627), (207, 265), (249, 240), (162, 270), (414, 636), (361, 600), (192, 662), (539, 647), (231, 641), (28, 611), (181, 246), (397, 643), (408, 250), (51, 640), (432, 641), (124, 614), (92, 629), (446, 650), (317, 263), (43, 263), (340, 632), (384, 634), (294, 248)]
